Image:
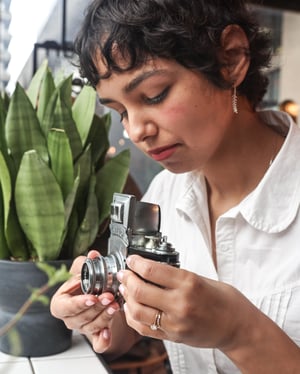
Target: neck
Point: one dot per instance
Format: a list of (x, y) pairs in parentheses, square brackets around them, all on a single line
[(241, 163)]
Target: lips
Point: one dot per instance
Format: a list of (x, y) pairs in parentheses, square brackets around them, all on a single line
[(163, 153)]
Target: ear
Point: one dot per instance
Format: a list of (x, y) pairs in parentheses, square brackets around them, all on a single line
[(234, 54)]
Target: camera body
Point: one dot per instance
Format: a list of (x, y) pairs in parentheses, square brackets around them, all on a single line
[(134, 229)]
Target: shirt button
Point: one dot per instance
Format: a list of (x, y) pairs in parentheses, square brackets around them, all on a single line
[(224, 248)]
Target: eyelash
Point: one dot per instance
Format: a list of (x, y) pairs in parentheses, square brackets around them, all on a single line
[(122, 115), (157, 99), (151, 101)]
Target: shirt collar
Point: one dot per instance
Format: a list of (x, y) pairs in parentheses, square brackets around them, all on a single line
[(272, 206)]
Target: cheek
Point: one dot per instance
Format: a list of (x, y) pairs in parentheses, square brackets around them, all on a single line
[(175, 116), (185, 120)]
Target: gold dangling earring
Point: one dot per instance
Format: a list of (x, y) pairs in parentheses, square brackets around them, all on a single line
[(234, 101)]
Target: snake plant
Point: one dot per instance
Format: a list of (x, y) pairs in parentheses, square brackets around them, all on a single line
[(56, 183)]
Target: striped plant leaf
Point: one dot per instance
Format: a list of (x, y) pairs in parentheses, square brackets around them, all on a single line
[(111, 178), (56, 186), (23, 131), (46, 91), (88, 228), (33, 91), (59, 115), (98, 139), (40, 206), (61, 160), (83, 111)]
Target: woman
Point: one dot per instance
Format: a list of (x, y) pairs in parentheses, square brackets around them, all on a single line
[(186, 77)]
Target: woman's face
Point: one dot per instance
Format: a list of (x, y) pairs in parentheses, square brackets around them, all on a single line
[(171, 113)]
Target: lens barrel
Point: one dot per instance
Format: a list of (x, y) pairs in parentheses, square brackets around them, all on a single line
[(99, 274)]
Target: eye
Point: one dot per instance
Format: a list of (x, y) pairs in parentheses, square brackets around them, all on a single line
[(159, 98), (123, 115)]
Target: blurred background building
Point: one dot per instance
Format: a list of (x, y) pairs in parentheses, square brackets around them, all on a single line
[(5, 18)]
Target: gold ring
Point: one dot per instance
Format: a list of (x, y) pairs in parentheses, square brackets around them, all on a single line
[(156, 325)]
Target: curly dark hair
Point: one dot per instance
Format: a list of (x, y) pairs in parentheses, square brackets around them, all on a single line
[(187, 31)]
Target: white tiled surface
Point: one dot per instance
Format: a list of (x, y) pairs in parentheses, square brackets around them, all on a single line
[(14, 365), (78, 359), (16, 368)]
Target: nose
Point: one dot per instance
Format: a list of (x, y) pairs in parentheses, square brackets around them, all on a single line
[(140, 126)]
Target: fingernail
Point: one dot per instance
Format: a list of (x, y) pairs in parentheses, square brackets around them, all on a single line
[(111, 310), (128, 260), (121, 289), (105, 301), (120, 276), (105, 334), (89, 303)]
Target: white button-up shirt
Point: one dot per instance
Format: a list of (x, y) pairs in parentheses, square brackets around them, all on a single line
[(257, 243)]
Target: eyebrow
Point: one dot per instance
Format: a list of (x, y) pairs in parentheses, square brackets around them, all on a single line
[(134, 83)]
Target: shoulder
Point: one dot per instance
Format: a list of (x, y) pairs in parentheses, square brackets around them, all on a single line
[(169, 190)]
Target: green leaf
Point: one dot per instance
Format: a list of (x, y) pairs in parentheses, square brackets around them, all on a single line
[(35, 84), (70, 200), (111, 178), (98, 139), (55, 275), (61, 275), (61, 159), (83, 111), (4, 250), (71, 221), (89, 226), (3, 143), (59, 115), (12, 236), (45, 93), (84, 169), (40, 206), (65, 90), (15, 342), (5, 99), (49, 120), (49, 270), (15, 237), (43, 299), (23, 130), (3, 113), (5, 182), (65, 121)]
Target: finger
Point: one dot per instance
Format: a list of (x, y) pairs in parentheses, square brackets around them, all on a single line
[(77, 265), (70, 286), (65, 305), (101, 340), (159, 273), (142, 319), (87, 315), (134, 289), (143, 300), (97, 317), (93, 254)]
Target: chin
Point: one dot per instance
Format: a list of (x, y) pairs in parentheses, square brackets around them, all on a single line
[(177, 168)]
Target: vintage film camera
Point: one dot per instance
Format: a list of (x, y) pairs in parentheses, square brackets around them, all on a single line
[(134, 229)]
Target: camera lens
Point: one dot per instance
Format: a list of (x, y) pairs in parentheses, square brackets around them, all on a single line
[(92, 276), (99, 275)]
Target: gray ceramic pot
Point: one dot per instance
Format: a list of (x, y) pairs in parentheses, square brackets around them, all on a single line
[(38, 332)]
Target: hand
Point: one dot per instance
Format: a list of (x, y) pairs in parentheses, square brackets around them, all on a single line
[(89, 314), (204, 313), (195, 310)]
